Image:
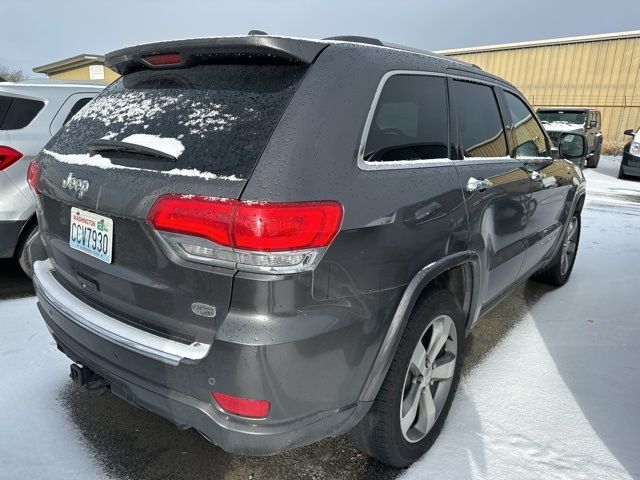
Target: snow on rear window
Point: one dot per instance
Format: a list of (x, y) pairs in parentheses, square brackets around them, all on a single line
[(222, 115), (171, 146)]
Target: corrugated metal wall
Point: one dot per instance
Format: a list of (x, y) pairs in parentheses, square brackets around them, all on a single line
[(602, 74)]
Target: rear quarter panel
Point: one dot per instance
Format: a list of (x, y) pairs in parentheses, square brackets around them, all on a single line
[(395, 221)]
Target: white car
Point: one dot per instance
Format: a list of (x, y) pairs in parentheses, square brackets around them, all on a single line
[(30, 113)]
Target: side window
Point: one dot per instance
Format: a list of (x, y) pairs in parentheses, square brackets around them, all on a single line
[(527, 135), (18, 112), (410, 121), (76, 108), (5, 102), (479, 121)]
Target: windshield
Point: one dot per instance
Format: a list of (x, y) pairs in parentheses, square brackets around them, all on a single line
[(551, 116), (214, 118)]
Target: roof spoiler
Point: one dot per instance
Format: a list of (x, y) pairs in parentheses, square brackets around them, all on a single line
[(258, 47)]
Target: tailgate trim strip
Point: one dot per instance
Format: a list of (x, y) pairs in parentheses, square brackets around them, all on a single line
[(124, 335)]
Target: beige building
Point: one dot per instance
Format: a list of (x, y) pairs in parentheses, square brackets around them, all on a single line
[(80, 67), (597, 71)]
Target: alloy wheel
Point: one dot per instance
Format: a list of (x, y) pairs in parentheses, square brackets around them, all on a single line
[(428, 379), (569, 246)]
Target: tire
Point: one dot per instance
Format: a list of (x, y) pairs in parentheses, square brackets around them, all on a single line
[(557, 272), (621, 174), (595, 159), (22, 251), (382, 433)]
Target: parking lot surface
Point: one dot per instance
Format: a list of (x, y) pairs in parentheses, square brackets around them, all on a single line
[(550, 386)]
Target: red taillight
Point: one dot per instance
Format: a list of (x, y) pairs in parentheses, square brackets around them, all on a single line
[(163, 59), (273, 227), (254, 226), (33, 175), (245, 407), (201, 216), (8, 156)]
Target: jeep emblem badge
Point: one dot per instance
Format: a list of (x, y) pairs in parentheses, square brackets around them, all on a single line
[(77, 184)]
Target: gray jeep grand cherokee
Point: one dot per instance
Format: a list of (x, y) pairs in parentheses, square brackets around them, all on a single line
[(276, 240)]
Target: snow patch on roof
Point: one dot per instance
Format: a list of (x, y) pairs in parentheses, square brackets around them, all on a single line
[(103, 163), (170, 146)]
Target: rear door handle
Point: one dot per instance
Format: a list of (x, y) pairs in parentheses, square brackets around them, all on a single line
[(477, 184)]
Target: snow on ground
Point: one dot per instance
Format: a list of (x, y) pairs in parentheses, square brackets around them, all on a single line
[(37, 440), (607, 191), (559, 397)]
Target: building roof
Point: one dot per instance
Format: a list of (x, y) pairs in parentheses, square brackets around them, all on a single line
[(543, 43), (69, 63)]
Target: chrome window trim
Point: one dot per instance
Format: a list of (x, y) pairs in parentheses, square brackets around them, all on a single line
[(396, 164), (435, 162)]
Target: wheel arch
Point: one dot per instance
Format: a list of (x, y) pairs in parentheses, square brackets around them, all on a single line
[(580, 202), (460, 274), (26, 228)]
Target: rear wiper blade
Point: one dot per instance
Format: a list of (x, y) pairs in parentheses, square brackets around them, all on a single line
[(104, 145)]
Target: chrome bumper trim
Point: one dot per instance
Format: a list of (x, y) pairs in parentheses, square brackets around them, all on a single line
[(109, 328)]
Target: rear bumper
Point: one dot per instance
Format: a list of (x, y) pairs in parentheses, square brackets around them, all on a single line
[(182, 392), (9, 236), (102, 325)]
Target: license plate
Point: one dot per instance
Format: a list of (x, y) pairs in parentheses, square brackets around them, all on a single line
[(92, 234)]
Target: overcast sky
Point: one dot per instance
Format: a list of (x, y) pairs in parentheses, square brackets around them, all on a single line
[(36, 32)]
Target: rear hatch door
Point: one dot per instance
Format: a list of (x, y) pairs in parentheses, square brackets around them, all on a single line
[(211, 122)]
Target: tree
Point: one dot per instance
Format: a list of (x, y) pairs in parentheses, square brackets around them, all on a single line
[(12, 75)]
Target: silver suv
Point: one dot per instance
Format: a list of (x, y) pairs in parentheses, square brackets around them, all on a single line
[(30, 113)]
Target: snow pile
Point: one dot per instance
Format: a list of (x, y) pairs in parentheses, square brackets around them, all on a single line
[(103, 163), (170, 146)]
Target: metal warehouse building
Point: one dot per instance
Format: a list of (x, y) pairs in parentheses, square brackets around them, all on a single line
[(597, 71)]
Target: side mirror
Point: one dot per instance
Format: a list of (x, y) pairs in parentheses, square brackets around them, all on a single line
[(572, 146), (593, 124), (629, 132)]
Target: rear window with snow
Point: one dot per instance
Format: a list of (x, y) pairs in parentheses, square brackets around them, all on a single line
[(216, 118)]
